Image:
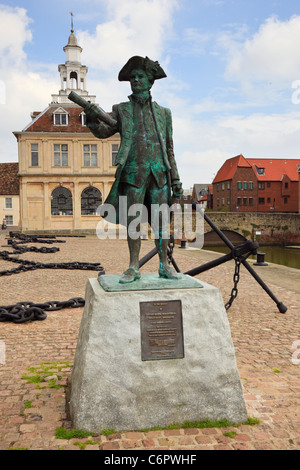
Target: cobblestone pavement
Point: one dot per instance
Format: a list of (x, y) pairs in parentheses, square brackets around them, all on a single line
[(265, 342)]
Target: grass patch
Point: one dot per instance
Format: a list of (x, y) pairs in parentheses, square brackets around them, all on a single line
[(32, 379), (277, 371), (252, 421), (27, 404), (38, 375), (63, 433), (230, 434), (82, 445), (107, 432), (205, 424)]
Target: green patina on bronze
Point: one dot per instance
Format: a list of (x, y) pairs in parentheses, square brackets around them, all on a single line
[(149, 281), (146, 168)]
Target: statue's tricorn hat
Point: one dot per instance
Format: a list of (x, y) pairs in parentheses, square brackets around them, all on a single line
[(151, 68)]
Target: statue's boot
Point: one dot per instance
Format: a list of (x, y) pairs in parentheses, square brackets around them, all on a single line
[(130, 275), (168, 273)]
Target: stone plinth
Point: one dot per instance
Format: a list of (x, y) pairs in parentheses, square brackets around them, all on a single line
[(113, 388)]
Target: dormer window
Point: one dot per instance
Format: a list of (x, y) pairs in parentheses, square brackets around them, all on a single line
[(260, 171), (60, 117)]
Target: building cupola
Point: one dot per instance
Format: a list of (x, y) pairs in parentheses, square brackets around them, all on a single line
[(72, 50), (72, 73)]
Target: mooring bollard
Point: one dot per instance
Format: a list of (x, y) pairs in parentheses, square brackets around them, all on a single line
[(183, 244), (260, 260)]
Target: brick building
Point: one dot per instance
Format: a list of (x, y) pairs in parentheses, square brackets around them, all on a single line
[(257, 185), (9, 194), (65, 172)]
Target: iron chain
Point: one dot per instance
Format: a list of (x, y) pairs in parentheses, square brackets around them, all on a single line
[(29, 311), (236, 280), (171, 246), (26, 265)]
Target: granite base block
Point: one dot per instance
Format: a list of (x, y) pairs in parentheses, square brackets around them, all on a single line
[(113, 388)]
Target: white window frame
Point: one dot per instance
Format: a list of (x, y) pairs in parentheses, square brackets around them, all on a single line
[(88, 153), (5, 203), (61, 152), (60, 112), (33, 151), (7, 217)]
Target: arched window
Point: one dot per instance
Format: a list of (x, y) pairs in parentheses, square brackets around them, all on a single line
[(91, 199), (61, 203), (74, 80)]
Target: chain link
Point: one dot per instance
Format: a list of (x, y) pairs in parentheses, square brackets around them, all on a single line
[(171, 246), (236, 279)]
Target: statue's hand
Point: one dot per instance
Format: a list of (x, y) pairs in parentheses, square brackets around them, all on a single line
[(92, 115), (177, 189)]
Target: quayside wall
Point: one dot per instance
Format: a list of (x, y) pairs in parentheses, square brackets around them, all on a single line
[(266, 228)]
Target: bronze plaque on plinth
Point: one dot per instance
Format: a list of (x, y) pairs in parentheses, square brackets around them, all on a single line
[(161, 330)]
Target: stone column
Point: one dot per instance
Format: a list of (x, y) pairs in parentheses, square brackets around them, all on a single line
[(76, 207), (23, 206), (47, 207)]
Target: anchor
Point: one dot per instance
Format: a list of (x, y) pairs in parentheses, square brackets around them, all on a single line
[(239, 253)]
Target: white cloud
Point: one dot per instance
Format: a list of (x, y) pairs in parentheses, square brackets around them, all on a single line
[(24, 89), (202, 145), (265, 135), (272, 54), (14, 33), (134, 27)]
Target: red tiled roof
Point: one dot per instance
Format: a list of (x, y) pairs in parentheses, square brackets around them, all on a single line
[(228, 169), (44, 121), (275, 169), (9, 179)]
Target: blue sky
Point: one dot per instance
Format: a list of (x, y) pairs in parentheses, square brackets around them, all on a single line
[(233, 70)]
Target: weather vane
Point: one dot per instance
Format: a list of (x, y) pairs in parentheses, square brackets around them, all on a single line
[(72, 24)]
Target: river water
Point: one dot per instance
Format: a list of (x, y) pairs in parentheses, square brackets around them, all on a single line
[(273, 254)]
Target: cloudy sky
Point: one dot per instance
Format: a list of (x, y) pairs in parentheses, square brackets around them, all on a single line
[(233, 70)]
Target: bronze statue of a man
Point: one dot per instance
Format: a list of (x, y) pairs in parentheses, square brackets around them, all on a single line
[(146, 169)]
